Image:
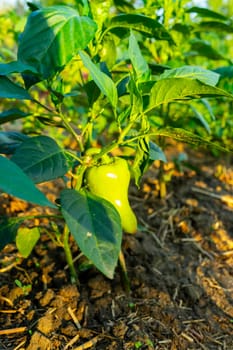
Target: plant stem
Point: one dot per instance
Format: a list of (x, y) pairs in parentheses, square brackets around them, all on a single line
[(124, 274), (65, 122), (71, 130), (69, 258)]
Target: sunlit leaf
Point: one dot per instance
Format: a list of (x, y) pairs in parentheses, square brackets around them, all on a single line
[(139, 63), (26, 240), (104, 83), (52, 36), (192, 72), (174, 89)]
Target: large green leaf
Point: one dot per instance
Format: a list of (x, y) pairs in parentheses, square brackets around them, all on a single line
[(173, 89), (8, 89), (52, 36), (104, 83), (16, 183), (146, 25), (41, 159), (96, 227), (192, 72)]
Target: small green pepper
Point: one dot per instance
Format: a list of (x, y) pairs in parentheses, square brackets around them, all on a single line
[(111, 182)]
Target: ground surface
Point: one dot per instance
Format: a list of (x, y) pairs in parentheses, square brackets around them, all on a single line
[(180, 264)]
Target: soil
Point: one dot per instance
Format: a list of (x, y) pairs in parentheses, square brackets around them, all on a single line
[(180, 266)]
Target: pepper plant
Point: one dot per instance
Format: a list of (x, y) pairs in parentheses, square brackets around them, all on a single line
[(107, 77)]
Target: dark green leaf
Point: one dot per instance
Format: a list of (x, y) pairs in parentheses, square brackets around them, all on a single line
[(96, 227), (8, 89), (10, 141), (146, 25), (41, 159), (205, 12), (15, 67), (52, 37), (214, 26), (225, 72), (16, 183), (203, 48), (8, 230), (12, 114)]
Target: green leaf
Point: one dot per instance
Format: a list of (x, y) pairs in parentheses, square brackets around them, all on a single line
[(156, 153), (173, 89), (104, 83), (8, 89), (207, 105), (41, 159), (52, 37), (192, 72), (203, 48), (146, 25), (96, 227), (10, 140), (142, 159), (8, 230), (136, 101), (16, 183), (225, 72), (139, 63), (12, 114), (15, 67), (185, 136), (214, 26), (201, 118), (205, 12), (26, 240)]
